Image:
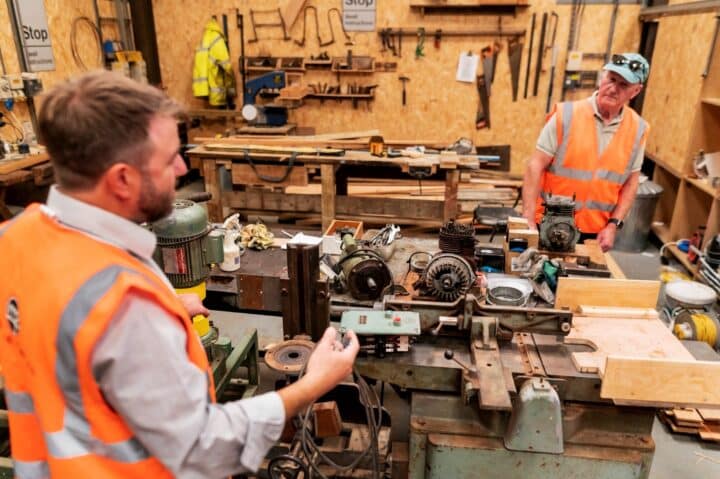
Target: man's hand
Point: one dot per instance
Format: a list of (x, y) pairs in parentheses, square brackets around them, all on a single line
[(193, 305), (329, 363), (606, 237)]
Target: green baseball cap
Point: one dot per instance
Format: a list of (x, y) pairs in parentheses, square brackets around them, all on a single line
[(631, 66)]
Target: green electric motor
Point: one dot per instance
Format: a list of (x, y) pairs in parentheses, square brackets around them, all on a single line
[(186, 245)]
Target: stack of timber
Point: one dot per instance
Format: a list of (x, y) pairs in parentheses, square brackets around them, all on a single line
[(703, 422)]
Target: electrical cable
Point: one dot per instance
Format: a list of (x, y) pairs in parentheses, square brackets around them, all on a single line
[(73, 41)]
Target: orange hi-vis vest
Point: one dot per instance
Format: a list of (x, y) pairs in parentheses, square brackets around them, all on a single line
[(61, 289), (579, 169)]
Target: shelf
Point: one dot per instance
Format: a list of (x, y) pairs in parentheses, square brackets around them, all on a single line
[(711, 101), (662, 231), (704, 186), (341, 96), (664, 165), (493, 7)]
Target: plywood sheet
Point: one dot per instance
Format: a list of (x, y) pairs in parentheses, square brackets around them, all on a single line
[(631, 338), (660, 382), (573, 292)]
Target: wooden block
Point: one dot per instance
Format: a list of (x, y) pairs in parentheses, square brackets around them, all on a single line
[(617, 312), (530, 235), (709, 432), (709, 415), (245, 175), (573, 292), (517, 222), (399, 458), (327, 419), (687, 416), (659, 382)]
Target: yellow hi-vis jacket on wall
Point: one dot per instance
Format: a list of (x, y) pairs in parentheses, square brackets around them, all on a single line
[(212, 71)]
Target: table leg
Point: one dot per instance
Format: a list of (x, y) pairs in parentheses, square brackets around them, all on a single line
[(327, 199), (452, 179), (5, 213), (212, 186)]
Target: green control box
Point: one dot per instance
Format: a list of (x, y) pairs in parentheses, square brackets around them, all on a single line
[(381, 323)]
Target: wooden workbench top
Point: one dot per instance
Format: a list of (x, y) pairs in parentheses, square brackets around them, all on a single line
[(352, 157)]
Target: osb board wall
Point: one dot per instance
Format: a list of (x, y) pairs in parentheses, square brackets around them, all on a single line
[(439, 108), (675, 83), (61, 15)]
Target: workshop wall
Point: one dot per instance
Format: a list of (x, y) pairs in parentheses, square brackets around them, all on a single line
[(438, 107), (61, 15)]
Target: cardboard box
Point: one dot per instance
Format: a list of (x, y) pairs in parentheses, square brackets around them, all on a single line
[(331, 243)]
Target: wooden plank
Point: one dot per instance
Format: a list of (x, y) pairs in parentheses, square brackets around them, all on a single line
[(687, 416), (8, 166), (709, 432), (269, 130), (352, 206), (573, 292), (615, 270), (245, 175), (15, 177), (709, 415), (617, 312), (630, 338), (327, 195), (212, 186), (452, 178), (347, 135), (659, 382)]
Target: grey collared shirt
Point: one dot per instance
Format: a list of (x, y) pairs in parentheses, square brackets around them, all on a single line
[(547, 141), (142, 367)]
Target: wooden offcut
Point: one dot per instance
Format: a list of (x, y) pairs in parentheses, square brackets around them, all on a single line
[(573, 292), (328, 422), (658, 382)]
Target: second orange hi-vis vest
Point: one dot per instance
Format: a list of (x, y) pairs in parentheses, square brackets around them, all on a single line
[(61, 288), (579, 169)]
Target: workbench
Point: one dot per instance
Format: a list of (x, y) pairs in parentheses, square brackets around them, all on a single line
[(29, 168), (278, 170)]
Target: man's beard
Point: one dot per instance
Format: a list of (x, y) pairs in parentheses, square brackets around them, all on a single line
[(154, 205)]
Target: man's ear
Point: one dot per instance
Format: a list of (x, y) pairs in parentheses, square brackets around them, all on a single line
[(637, 91), (122, 180)]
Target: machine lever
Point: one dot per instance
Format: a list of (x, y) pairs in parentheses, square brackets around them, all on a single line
[(449, 354)]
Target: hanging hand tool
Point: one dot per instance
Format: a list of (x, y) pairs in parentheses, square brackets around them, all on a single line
[(553, 62), (404, 80), (438, 36), (541, 51), (550, 45), (256, 25), (529, 58), (420, 47), (611, 33), (482, 119), (515, 48), (712, 47), (241, 63), (488, 64), (301, 42), (348, 41)]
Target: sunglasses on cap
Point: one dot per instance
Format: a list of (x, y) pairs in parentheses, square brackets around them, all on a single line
[(633, 65)]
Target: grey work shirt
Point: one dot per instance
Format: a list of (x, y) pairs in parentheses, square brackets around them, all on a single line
[(547, 141), (143, 371)]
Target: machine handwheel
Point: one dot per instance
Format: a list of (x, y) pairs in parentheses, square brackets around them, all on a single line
[(287, 467)]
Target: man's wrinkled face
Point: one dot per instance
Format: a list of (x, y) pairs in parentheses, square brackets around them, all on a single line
[(615, 91)]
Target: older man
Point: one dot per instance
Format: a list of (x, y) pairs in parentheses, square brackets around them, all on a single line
[(592, 149), (105, 376)]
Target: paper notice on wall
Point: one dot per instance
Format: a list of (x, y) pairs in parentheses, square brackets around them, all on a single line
[(467, 67)]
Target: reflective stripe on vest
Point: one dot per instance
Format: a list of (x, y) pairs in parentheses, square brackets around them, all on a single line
[(557, 167), (589, 205), (19, 402), (31, 469), (75, 438)]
